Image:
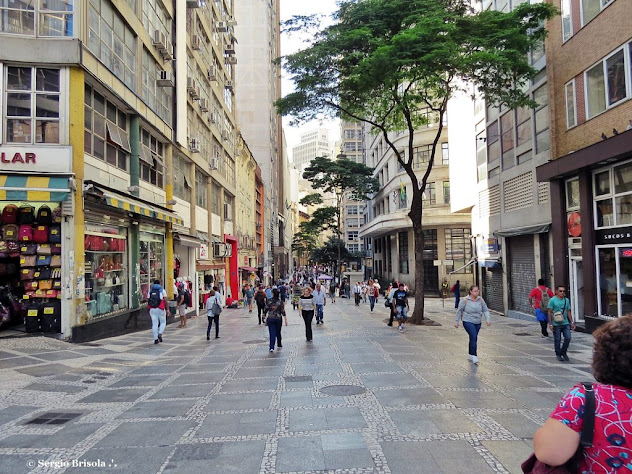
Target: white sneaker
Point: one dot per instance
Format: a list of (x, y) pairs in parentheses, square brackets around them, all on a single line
[(469, 357), (475, 360)]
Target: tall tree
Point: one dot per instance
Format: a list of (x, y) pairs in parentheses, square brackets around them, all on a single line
[(341, 177), (331, 252), (383, 61)]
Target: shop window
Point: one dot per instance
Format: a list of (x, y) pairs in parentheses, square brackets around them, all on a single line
[(40, 18), (105, 135), (201, 189), (613, 196), (106, 270), (458, 249), (615, 281), (181, 184), (32, 98), (152, 159), (152, 252), (112, 41), (403, 252)]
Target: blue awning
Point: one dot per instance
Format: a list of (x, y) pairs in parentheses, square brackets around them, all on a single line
[(489, 263)]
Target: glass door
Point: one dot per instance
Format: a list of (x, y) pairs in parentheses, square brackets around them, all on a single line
[(577, 289), (614, 271)]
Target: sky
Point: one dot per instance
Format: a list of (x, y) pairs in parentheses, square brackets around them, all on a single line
[(293, 43)]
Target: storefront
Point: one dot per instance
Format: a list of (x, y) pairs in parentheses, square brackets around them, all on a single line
[(591, 203), (184, 265)]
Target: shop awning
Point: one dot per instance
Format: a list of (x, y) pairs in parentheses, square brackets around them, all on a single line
[(533, 229), (248, 269), (33, 188), (471, 262), (128, 203), (203, 236), (187, 240)]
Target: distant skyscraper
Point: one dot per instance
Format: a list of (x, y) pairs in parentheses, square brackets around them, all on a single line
[(313, 143)]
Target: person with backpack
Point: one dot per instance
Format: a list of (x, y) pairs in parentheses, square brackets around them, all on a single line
[(213, 309), (157, 304), (275, 314), (182, 305), (388, 302), (561, 322), (539, 300), (261, 299)]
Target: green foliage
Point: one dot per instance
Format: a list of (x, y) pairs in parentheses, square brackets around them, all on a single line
[(312, 199), (328, 253), (304, 243), (340, 176)]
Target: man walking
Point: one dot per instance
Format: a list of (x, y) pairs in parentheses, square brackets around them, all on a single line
[(261, 299), (400, 305), (214, 309), (457, 293), (561, 322), (157, 304), (182, 305), (320, 300), (356, 293), (539, 301), (248, 295)]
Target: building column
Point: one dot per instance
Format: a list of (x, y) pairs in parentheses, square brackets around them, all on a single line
[(134, 159), (558, 229), (169, 226)]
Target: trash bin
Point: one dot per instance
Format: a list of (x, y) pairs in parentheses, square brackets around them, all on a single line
[(173, 307)]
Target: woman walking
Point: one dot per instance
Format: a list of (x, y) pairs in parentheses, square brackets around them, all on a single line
[(275, 314), (307, 307), (471, 310)]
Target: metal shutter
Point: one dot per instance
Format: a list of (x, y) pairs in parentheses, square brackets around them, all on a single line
[(493, 289), (520, 272)]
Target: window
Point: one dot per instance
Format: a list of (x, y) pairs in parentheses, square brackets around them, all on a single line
[(572, 195), (181, 177), (421, 155), (159, 99), (152, 159), (352, 236), (493, 143), (571, 114), (507, 139), (229, 208), (403, 252), (606, 82), (352, 222), (429, 196), (105, 130), (446, 192), (32, 105), (542, 140), (112, 41), (155, 17), (201, 189), (481, 156), (216, 199), (44, 18), (591, 8), (613, 196), (567, 20), (445, 154), (352, 210), (523, 126), (458, 249)]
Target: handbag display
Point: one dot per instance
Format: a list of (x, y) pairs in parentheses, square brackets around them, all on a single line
[(25, 233), (31, 285), (55, 273), (28, 249), (41, 274), (27, 274), (43, 249), (9, 214), (45, 285), (55, 261), (43, 260), (26, 214), (533, 466), (56, 249), (28, 260)]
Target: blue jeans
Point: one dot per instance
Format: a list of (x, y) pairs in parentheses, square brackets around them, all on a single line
[(472, 331), (319, 312), (372, 301), (557, 338), (274, 326)]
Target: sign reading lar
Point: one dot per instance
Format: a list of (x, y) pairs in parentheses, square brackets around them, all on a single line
[(621, 235), (29, 159)]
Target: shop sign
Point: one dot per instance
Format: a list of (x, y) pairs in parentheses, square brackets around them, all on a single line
[(574, 224), (621, 235), (27, 159), (489, 246), (203, 250)]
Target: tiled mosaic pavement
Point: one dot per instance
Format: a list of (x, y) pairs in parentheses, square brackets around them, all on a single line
[(229, 406)]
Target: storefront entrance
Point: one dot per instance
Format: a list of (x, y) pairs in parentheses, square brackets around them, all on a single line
[(614, 283), (577, 289)]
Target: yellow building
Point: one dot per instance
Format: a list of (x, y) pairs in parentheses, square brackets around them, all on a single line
[(245, 218)]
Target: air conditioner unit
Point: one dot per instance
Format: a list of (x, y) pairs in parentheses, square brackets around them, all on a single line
[(195, 95), (212, 73), (203, 105), (194, 145), (195, 42), (228, 85), (230, 49), (190, 85), (225, 136), (228, 211), (231, 60), (167, 55), (165, 79), (212, 118), (221, 26), (160, 41), (196, 3), (213, 163), (231, 22)]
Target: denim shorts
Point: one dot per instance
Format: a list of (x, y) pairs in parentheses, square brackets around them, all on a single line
[(402, 312)]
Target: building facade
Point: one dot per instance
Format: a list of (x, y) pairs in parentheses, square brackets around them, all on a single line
[(126, 146), (313, 143), (245, 216), (590, 173), (447, 235)]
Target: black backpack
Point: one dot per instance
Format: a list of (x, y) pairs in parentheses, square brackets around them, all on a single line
[(154, 297), (187, 298), (26, 214), (44, 215)]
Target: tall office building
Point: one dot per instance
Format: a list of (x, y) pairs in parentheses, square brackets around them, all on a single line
[(313, 143)]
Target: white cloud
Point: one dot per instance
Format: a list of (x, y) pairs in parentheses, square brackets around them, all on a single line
[(293, 43)]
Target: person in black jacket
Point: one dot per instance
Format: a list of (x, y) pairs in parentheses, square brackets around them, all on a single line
[(261, 299)]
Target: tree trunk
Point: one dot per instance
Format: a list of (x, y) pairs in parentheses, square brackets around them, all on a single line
[(415, 215)]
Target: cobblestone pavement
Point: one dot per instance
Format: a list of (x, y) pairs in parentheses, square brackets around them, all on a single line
[(409, 403)]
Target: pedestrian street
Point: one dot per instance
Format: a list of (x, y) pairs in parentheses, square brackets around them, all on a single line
[(360, 398)]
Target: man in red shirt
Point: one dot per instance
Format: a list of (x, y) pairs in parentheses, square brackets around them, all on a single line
[(539, 293)]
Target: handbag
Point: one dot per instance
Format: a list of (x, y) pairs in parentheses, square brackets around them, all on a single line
[(45, 285), (43, 249), (558, 316), (55, 261), (533, 466), (28, 261), (28, 249)]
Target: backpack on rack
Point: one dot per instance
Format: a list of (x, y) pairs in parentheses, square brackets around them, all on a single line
[(40, 235), (44, 215), (32, 320), (154, 299), (26, 214), (544, 302), (10, 232), (54, 236), (25, 233), (9, 214), (51, 317)]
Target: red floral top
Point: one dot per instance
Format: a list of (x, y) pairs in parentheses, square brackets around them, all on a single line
[(612, 443)]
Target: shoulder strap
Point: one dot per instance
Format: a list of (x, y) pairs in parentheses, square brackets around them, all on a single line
[(588, 430)]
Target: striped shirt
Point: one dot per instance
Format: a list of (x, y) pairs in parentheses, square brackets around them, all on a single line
[(306, 303)]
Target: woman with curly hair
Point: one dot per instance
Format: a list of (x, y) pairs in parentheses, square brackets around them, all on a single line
[(557, 440)]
